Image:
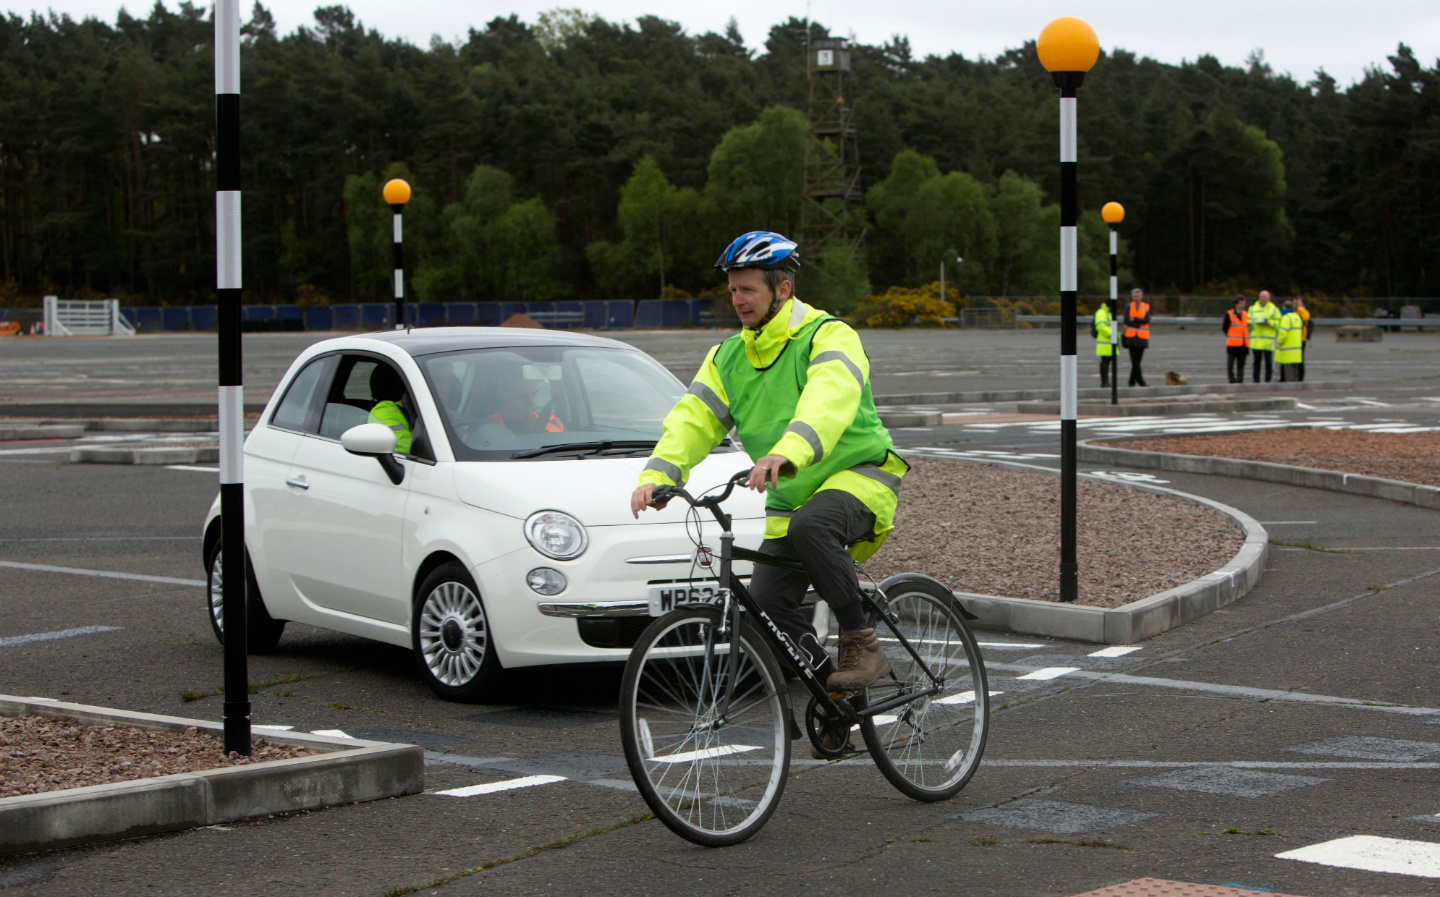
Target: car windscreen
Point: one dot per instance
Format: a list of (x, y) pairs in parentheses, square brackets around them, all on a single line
[(533, 401)]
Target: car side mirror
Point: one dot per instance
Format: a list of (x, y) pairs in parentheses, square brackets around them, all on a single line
[(375, 441)]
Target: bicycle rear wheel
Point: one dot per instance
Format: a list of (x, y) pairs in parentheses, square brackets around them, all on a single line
[(930, 747), (712, 780)]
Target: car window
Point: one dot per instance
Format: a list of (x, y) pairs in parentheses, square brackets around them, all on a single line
[(351, 400), (497, 402), (302, 399)]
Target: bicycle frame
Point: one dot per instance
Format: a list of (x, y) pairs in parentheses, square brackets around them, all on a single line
[(736, 597)]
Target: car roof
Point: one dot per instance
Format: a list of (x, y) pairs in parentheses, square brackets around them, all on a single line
[(434, 340)]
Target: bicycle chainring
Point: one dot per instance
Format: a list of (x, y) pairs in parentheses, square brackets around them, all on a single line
[(830, 735)]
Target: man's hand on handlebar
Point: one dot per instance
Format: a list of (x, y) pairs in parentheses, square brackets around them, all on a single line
[(767, 472), (643, 498)]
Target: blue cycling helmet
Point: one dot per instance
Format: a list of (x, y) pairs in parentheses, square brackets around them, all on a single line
[(760, 249)]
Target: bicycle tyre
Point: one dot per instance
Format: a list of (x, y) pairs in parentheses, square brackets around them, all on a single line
[(713, 787), (930, 748)]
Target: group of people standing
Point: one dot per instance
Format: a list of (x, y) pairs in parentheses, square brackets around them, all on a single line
[(1135, 338), (1277, 337)]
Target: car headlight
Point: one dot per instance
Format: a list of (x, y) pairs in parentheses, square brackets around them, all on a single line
[(556, 535)]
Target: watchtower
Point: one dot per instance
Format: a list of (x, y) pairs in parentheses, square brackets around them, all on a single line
[(832, 211)]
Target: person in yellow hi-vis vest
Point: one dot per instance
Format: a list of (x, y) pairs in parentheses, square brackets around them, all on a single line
[(1290, 343), (1102, 328), (389, 389), (1263, 318), (795, 386)]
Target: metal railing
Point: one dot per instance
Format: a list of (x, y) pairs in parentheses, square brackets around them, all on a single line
[(83, 317)]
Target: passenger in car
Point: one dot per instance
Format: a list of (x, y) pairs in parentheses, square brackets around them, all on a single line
[(388, 390), (518, 411)]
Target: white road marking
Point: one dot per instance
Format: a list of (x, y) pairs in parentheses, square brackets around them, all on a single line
[(1118, 651), (492, 787), (275, 728), (1050, 673), (964, 697), (1287, 522), (15, 641), (192, 467), (1016, 645), (706, 753), (107, 574), (1372, 854), (330, 733)]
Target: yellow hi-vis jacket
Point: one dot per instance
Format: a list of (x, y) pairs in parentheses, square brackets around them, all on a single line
[(813, 403), (1263, 319), (1290, 345), (389, 414), (1104, 323)]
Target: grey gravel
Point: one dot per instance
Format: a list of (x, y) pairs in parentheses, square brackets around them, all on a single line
[(996, 531)]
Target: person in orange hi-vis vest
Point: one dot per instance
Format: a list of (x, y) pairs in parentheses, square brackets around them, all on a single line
[(1236, 325), (1137, 333)]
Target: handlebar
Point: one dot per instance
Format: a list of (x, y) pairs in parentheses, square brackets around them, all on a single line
[(663, 494)]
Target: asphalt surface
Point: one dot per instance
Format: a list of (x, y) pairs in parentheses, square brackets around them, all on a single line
[(1210, 750)]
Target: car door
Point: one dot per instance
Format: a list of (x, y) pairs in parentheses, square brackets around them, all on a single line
[(269, 451), (344, 538)]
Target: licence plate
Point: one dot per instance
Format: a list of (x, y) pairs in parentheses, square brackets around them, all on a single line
[(664, 599)]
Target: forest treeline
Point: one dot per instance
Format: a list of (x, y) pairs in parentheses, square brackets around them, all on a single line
[(581, 158)]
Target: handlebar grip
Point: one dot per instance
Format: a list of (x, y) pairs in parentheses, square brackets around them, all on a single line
[(663, 494)]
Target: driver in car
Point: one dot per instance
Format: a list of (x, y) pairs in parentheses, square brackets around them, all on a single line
[(518, 411)]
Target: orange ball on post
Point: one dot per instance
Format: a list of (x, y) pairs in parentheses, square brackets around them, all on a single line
[(1113, 213), (1068, 44), (396, 192)]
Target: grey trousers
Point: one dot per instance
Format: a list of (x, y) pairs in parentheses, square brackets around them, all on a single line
[(820, 533)]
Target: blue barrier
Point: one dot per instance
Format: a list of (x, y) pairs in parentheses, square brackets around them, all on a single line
[(375, 317), (459, 314), (175, 318), (205, 317), (320, 318), (426, 314), (147, 320), (345, 317)]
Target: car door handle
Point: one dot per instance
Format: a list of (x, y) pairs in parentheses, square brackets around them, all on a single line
[(297, 482)]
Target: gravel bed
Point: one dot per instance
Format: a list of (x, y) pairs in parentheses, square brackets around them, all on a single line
[(996, 531), (1409, 457), (45, 753)]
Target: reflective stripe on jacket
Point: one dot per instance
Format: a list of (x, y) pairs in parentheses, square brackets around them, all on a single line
[(389, 414), (1104, 325), (1139, 313), (1262, 326), (800, 389), (1238, 333), (1290, 346)]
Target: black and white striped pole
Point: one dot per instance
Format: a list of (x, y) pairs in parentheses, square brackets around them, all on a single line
[(397, 193), (1114, 213), (232, 402), (1068, 49)]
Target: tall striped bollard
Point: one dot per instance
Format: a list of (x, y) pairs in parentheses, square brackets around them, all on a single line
[(1068, 49), (232, 401), (1114, 213), (397, 193)]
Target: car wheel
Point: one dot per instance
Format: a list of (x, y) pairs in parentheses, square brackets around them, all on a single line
[(262, 632), (451, 635)]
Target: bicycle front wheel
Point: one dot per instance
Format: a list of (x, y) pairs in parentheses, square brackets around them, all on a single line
[(928, 748), (709, 751)]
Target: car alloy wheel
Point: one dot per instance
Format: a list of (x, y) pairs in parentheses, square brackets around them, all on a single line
[(451, 635)]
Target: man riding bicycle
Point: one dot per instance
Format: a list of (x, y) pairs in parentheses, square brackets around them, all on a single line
[(795, 386)]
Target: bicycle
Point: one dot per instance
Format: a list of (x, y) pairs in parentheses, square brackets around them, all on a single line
[(705, 714)]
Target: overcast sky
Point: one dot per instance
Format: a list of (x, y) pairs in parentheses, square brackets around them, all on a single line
[(1298, 36)]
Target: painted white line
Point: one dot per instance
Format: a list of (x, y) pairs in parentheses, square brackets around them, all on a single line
[(330, 733), (1016, 645), (1373, 854), (507, 785), (706, 753), (192, 467), (50, 700), (1118, 651), (15, 641), (1287, 522), (964, 697), (275, 728), (1050, 673), (106, 574)]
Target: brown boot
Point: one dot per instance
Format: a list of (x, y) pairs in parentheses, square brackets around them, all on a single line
[(862, 661)]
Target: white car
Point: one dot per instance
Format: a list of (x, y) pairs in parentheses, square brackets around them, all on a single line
[(501, 536)]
